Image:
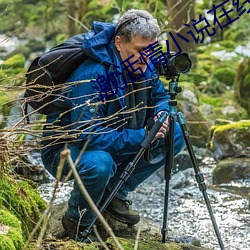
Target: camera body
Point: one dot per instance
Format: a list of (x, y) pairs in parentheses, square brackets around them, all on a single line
[(176, 65)]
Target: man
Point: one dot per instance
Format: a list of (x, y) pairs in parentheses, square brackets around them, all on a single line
[(109, 121)]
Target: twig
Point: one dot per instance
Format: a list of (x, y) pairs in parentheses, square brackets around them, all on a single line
[(137, 236), (66, 154), (77, 21), (99, 238)]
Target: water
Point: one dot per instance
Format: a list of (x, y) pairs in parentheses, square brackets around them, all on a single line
[(188, 215)]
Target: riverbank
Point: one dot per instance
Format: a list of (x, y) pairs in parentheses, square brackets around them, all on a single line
[(188, 215)]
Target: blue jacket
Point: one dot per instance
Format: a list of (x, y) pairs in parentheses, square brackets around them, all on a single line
[(102, 123)]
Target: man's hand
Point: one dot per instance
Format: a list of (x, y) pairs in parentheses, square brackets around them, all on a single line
[(164, 128)]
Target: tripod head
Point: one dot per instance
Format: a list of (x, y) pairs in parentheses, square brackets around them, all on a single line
[(174, 89), (176, 65)]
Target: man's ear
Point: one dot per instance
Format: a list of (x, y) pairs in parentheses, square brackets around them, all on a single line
[(118, 43)]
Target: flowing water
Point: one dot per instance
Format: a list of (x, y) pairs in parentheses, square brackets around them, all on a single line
[(187, 212)]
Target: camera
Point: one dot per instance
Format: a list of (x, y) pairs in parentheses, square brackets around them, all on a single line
[(176, 65)]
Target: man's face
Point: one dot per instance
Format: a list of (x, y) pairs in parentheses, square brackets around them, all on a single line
[(132, 48)]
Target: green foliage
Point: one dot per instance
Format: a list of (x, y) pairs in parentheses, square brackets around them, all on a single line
[(13, 66), (224, 75), (239, 32), (16, 61), (214, 101)]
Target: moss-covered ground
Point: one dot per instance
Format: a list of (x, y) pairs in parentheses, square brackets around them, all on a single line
[(20, 209)]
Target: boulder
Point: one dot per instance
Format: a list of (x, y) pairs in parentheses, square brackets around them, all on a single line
[(231, 139), (231, 169), (197, 125), (150, 235)]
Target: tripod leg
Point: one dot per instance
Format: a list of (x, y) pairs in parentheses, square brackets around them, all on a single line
[(199, 177), (168, 173)]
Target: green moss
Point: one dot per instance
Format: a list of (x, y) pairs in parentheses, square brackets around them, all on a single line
[(22, 200), (212, 100), (9, 219), (239, 128), (13, 239), (128, 244), (236, 125), (6, 243), (13, 71), (16, 61), (225, 75), (16, 237)]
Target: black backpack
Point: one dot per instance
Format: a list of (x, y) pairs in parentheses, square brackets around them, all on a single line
[(47, 74)]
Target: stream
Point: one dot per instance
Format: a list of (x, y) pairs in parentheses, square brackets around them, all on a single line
[(187, 212)]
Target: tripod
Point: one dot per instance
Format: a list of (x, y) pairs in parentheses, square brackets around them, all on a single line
[(169, 163), (173, 90)]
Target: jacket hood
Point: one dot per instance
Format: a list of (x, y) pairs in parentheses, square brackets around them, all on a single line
[(98, 42)]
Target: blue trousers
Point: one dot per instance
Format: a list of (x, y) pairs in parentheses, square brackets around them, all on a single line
[(100, 170)]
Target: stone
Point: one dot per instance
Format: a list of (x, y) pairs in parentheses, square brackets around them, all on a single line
[(231, 169), (230, 140), (197, 125)]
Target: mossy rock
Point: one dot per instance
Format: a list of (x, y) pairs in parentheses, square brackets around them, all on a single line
[(10, 231), (22, 200), (128, 244), (150, 235), (231, 169), (222, 106), (232, 139)]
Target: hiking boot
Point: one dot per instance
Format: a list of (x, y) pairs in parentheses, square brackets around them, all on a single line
[(75, 231), (121, 211)]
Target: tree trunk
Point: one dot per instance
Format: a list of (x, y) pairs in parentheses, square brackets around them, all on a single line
[(72, 13), (83, 7), (181, 12)]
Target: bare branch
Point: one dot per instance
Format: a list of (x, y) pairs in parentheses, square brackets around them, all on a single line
[(66, 154), (79, 22)]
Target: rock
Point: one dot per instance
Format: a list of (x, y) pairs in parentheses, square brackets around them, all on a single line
[(181, 179), (229, 140), (227, 110), (149, 238), (197, 125), (231, 169), (188, 95)]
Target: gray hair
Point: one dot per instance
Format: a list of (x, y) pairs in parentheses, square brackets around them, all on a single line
[(137, 22)]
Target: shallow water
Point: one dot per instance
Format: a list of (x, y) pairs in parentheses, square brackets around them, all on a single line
[(188, 215)]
